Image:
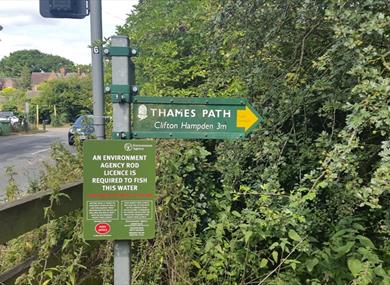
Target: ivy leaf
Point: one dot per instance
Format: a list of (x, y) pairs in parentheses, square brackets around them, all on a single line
[(247, 235), (209, 245), (366, 242), (379, 271), (340, 233), (263, 263), (345, 248), (311, 263), (293, 235), (275, 255), (49, 274), (196, 264), (293, 263), (355, 266)]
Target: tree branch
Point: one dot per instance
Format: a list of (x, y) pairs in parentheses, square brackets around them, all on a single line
[(283, 261)]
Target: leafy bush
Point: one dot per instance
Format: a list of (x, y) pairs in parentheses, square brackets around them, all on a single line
[(305, 199), (55, 121)]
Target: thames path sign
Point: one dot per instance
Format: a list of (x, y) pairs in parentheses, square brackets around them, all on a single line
[(192, 118), (119, 175), (119, 190)]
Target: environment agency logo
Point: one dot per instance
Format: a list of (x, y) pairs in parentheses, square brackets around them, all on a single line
[(128, 146), (142, 112)]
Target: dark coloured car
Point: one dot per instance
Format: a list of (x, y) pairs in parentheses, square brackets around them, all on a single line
[(82, 128)]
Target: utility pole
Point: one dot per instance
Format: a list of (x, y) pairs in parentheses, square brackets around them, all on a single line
[(95, 8), (37, 115), (27, 115)]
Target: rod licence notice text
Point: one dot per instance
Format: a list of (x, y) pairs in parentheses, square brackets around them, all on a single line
[(119, 190)]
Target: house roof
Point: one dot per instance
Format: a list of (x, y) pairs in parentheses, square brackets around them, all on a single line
[(39, 77), (8, 82)]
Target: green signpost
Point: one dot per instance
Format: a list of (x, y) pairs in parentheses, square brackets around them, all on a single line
[(119, 190), (192, 118)]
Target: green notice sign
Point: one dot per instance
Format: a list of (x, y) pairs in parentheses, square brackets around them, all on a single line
[(192, 118), (119, 190)]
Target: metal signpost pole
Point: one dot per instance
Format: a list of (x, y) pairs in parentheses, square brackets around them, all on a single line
[(121, 116), (95, 8), (121, 127)]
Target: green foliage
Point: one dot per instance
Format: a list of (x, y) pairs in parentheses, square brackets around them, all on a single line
[(12, 190), (25, 77), (305, 199), (183, 174), (319, 73), (59, 241), (83, 68), (15, 100), (172, 61), (19, 62), (70, 96), (56, 121)]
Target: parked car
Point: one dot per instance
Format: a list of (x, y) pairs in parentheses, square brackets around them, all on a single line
[(6, 116), (81, 128), (14, 120)]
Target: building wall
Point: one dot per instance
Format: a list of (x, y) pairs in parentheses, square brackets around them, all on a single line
[(8, 83)]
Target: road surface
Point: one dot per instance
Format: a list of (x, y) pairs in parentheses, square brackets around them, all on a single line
[(26, 153)]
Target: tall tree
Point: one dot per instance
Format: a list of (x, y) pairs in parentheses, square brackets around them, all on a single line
[(174, 58), (25, 77), (35, 60), (71, 96)]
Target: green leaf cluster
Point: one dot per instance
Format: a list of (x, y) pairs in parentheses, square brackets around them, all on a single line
[(14, 100), (71, 97), (16, 64), (305, 200)]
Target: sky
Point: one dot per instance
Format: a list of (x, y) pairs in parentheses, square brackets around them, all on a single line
[(25, 28)]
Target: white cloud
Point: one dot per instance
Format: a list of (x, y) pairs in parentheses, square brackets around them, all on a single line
[(24, 28), (18, 21)]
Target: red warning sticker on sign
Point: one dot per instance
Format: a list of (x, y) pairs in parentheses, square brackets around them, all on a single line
[(102, 228)]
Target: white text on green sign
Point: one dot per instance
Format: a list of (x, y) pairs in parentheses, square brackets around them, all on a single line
[(207, 118)]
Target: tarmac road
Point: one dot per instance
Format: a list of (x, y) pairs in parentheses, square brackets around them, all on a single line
[(26, 153)]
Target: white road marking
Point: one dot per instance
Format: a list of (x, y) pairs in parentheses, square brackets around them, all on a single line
[(39, 151)]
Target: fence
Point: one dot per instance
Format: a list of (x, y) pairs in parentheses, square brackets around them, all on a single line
[(26, 214)]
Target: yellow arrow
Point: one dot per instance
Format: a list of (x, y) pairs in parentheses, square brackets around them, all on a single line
[(246, 118)]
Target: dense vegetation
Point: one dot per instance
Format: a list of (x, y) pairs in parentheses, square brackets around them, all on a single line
[(61, 100), (304, 200), (15, 99), (23, 62), (71, 97), (20, 64)]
